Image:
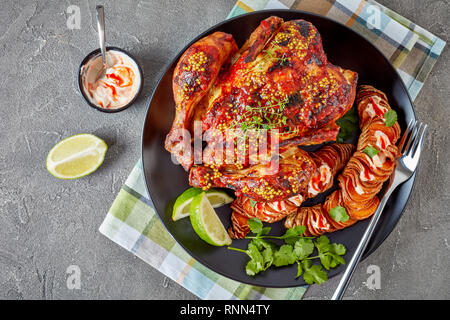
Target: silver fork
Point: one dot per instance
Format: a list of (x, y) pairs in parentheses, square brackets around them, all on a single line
[(410, 147)]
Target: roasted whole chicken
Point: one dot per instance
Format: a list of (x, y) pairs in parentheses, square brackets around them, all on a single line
[(280, 80)]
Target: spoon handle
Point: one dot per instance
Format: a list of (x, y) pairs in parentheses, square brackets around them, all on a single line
[(101, 31)]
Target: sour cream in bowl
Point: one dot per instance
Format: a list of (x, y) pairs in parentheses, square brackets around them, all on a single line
[(115, 89)]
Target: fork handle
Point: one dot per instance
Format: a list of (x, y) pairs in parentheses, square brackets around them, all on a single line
[(351, 267)]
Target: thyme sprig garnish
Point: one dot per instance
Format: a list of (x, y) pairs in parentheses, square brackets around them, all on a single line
[(270, 54), (265, 117)]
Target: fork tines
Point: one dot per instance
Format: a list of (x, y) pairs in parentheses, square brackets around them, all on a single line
[(412, 139)]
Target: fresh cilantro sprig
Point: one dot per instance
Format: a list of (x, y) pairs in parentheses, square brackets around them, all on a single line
[(371, 151), (339, 214), (312, 273), (297, 249), (390, 118), (330, 254), (290, 236)]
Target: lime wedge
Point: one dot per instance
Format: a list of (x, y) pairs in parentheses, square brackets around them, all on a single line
[(206, 223), (217, 198), (183, 202), (76, 156)]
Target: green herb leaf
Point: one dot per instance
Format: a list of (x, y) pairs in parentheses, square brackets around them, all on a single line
[(325, 260), (251, 269), (269, 53), (292, 234), (313, 273), (338, 248), (303, 248), (330, 254), (336, 251), (339, 214), (256, 263), (370, 151), (255, 225), (322, 243), (265, 231), (336, 260), (299, 269), (261, 256), (390, 118), (348, 125), (267, 250), (253, 203), (257, 120), (284, 256), (254, 254)]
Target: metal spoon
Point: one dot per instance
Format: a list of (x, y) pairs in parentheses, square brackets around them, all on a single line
[(101, 34)]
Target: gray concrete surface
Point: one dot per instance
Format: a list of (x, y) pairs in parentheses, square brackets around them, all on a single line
[(47, 225)]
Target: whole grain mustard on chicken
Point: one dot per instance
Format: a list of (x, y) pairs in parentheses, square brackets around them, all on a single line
[(281, 81)]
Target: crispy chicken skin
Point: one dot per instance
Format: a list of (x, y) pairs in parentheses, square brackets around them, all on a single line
[(195, 73), (259, 38)]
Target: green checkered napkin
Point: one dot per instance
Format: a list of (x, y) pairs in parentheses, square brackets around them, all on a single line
[(133, 223)]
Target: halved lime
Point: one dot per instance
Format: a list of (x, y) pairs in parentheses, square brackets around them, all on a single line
[(76, 156), (206, 223), (216, 197)]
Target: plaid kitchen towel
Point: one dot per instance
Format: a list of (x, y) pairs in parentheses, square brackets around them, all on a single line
[(132, 221)]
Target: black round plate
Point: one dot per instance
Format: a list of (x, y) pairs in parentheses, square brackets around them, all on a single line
[(165, 180)]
